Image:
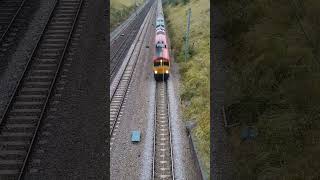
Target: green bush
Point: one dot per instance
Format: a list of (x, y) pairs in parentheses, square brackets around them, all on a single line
[(273, 84), (117, 16)]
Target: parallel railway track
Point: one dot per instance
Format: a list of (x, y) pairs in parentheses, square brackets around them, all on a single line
[(118, 95), (162, 149), (120, 46), (21, 120), (115, 33), (14, 16), (9, 10), (119, 53)]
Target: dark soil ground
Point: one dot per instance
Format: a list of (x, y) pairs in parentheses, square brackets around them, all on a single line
[(220, 147)]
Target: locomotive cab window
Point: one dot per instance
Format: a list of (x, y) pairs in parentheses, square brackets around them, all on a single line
[(157, 64), (165, 63)]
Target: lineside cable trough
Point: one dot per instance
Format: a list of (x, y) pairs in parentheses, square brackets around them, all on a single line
[(135, 136)]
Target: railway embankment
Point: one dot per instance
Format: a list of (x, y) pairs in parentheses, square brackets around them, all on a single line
[(194, 72), (121, 10)]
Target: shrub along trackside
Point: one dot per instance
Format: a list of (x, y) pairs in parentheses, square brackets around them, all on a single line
[(274, 86), (119, 15), (195, 91), (120, 10)]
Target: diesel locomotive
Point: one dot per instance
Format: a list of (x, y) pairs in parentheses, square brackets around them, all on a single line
[(161, 58)]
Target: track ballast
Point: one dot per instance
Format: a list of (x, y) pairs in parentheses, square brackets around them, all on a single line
[(121, 45), (122, 85), (28, 104), (162, 153), (14, 18)]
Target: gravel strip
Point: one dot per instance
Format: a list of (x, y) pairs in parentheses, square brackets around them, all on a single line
[(125, 157), (184, 164), (146, 171)]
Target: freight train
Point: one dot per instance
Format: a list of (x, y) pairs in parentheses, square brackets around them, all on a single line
[(161, 58)]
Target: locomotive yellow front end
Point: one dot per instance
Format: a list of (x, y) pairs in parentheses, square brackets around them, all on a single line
[(161, 69)]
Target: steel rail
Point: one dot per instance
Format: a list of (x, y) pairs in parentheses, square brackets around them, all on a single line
[(170, 134), (15, 91), (12, 20), (154, 133), (162, 88), (165, 89), (125, 68), (121, 49), (50, 92), (115, 33), (145, 26)]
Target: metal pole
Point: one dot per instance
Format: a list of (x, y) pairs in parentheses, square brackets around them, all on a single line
[(135, 6), (186, 52)]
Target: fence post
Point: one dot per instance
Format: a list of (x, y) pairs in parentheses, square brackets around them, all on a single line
[(135, 6)]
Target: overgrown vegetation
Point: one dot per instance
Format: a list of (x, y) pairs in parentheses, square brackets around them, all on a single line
[(120, 11), (195, 71), (274, 86)]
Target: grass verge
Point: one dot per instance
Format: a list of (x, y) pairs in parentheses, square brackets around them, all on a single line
[(120, 10), (195, 91)]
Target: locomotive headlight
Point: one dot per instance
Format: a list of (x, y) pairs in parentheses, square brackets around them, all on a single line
[(167, 71), (156, 72), (161, 60)]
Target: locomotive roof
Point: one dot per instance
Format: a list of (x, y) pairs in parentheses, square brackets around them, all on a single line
[(161, 37)]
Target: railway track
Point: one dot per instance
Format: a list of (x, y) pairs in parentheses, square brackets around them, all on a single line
[(21, 120), (120, 47), (162, 149), (115, 33), (119, 53), (13, 18), (121, 88)]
